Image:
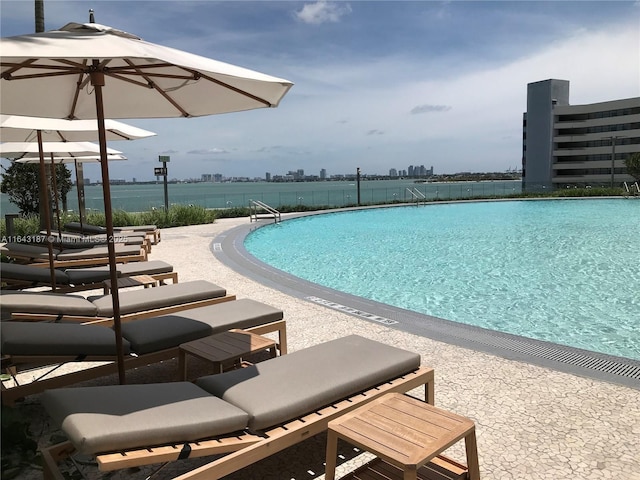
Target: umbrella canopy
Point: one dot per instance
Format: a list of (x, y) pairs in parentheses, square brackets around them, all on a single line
[(83, 159), (86, 71), (141, 79), (16, 128), (17, 150)]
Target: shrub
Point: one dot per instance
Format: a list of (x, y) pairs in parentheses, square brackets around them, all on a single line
[(180, 215)]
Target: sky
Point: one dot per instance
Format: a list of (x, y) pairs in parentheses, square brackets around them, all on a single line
[(377, 84)]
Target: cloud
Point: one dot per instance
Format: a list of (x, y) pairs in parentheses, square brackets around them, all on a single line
[(268, 149), (168, 152), (208, 151), (375, 131), (430, 108), (323, 12)]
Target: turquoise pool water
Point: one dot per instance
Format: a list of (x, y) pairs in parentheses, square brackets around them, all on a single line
[(565, 271)]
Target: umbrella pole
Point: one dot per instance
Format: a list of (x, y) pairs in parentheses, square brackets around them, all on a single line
[(78, 184), (54, 181), (47, 220), (97, 81)]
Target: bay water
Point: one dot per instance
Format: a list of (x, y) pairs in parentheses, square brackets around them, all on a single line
[(144, 197)]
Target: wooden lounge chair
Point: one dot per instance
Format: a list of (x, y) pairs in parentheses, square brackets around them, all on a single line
[(248, 414), (134, 304), (38, 255), (65, 240), (152, 231), (26, 345), (16, 276)]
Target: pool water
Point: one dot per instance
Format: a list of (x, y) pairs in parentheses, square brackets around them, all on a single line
[(564, 271)]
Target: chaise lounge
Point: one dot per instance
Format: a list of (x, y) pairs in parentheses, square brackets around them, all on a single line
[(16, 276), (248, 414), (65, 240), (134, 304), (151, 231), (26, 345), (38, 255)]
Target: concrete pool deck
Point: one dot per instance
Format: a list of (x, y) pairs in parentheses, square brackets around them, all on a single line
[(532, 422)]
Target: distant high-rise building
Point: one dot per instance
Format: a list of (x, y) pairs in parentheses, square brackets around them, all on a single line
[(393, 172), (267, 176), (206, 177), (323, 174)]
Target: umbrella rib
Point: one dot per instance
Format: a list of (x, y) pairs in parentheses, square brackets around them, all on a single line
[(231, 87), (8, 76), (61, 135), (76, 94), (146, 84), (15, 67), (159, 90)]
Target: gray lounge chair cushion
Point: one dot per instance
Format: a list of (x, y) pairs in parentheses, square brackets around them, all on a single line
[(242, 313), (45, 303), (159, 333), (25, 250), (79, 276), (86, 276), (67, 339), (84, 228), (96, 229), (88, 241), (99, 251), (28, 273), (137, 228), (169, 331), (150, 267), (164, 296), (286, 387), (116, 417)]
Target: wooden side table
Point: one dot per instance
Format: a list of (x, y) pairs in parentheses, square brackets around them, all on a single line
[(407, 435), (224, 350), (134, 281)]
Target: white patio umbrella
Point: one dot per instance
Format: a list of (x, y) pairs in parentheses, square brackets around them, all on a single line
[(16, 128), (18, 150), (80, 159), (77, 162), (86, 71), (36, 153)]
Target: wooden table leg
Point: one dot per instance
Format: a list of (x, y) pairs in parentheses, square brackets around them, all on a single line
[(429, 393), (472, 455), (332, 455), (410, 473), (182, 365)]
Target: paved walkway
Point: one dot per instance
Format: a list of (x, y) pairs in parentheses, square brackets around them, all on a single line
[(532, 422)]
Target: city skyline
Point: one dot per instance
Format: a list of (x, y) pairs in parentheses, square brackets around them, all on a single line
[(375, 83)]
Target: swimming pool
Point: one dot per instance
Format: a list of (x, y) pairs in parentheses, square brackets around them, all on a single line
[(564, 271)]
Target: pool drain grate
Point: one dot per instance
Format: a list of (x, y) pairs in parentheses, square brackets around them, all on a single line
[(352, 311), (578, 358), (621, 367)]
